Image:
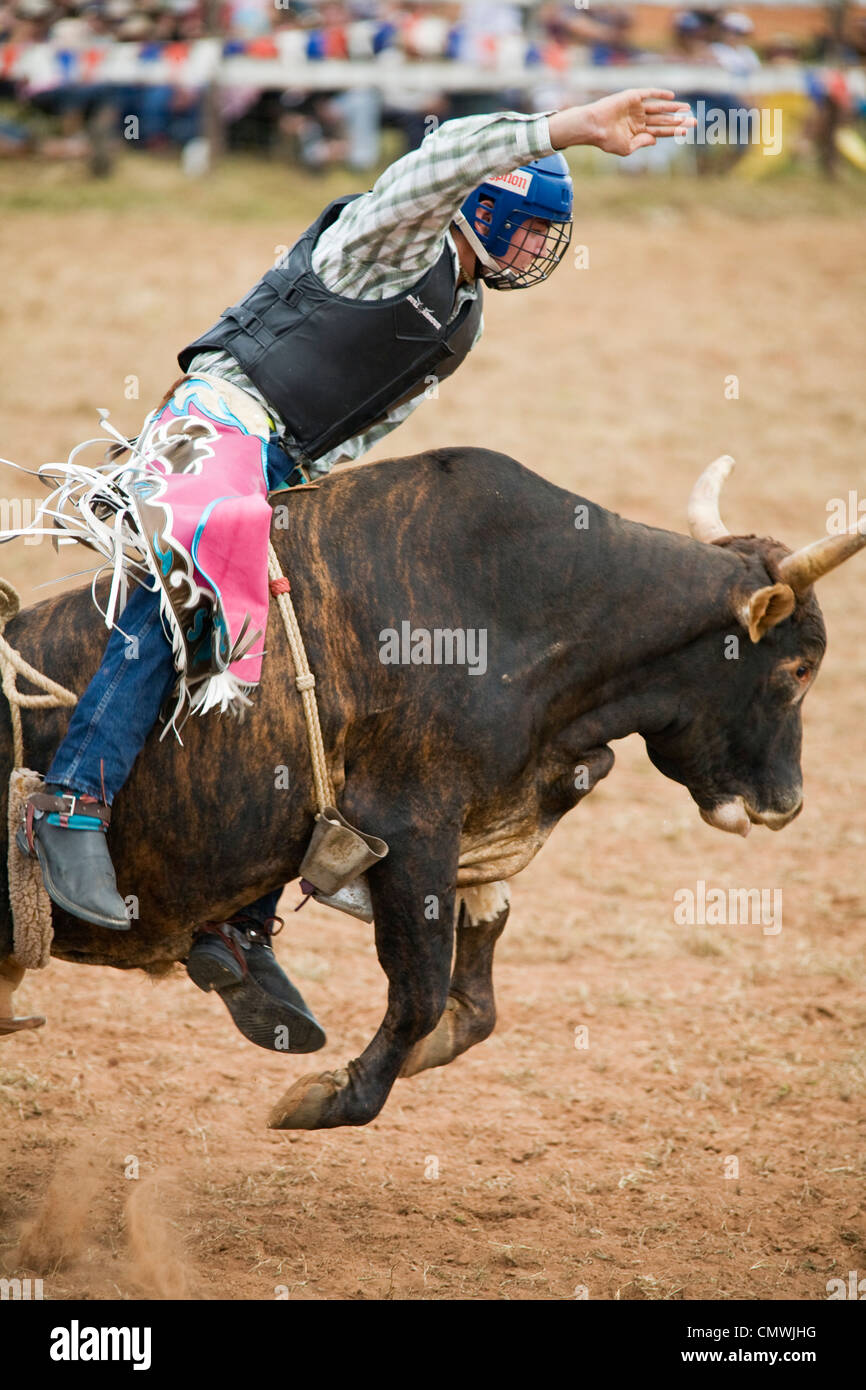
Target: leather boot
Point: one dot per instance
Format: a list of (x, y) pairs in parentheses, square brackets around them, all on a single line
[(236, 959), (76, 867)]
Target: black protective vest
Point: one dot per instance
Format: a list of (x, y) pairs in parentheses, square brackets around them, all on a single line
[(331, 366)]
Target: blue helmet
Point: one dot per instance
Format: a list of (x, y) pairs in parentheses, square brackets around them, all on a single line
[(493, 213)]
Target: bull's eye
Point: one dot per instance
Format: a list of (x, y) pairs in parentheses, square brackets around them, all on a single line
[(799, 671)]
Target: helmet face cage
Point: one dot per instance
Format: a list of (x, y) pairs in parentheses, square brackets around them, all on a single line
[(517, 231), (509, 212)]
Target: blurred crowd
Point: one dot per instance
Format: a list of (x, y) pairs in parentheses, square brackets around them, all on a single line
[(417, 28), (68, 108)]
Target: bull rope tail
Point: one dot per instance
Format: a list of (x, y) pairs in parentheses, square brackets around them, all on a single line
[(31, 906), (12, 664), (305, 682)]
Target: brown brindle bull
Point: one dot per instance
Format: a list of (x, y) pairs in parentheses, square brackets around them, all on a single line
[(595, 630)]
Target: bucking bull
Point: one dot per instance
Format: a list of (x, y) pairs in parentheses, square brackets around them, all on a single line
[(596, 628)]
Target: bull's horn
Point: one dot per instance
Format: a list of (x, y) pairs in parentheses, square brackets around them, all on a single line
[(811, 562), (705, 523)]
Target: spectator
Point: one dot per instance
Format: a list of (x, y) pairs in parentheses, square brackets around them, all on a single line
[(694, 31), (33, 21), (613, 44), (731, 49), (316, 127)]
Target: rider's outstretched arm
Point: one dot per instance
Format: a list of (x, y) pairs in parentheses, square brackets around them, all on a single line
[(389, 236), (623, 122)]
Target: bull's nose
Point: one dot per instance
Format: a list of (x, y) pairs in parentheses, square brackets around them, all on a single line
[(775, 820)]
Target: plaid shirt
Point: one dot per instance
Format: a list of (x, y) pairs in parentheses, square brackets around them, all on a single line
[(384, 241)]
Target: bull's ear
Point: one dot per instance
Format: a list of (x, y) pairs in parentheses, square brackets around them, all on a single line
[(764, 608)]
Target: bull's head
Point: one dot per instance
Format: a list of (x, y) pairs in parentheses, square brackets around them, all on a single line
[(738, 752)]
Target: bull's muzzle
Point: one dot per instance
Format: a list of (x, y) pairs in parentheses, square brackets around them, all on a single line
[(775, 820), (737, 817), (729, 815)]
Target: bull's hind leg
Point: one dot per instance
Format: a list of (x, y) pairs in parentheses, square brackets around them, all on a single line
[(470, 1013), (414, 914)]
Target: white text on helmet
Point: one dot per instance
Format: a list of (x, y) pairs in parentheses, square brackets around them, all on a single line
[(517, 181)]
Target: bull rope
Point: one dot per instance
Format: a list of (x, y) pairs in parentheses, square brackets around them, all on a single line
[(305, 682)]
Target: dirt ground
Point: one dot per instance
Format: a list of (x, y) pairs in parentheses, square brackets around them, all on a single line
[(710, 1141)]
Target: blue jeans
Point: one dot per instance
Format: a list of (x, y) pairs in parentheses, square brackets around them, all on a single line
[(111, 722), (120, 706)]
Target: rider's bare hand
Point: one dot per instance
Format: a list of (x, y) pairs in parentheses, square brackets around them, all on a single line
[(623, 122)]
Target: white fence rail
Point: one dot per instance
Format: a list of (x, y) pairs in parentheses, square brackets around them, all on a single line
[(41, 67)]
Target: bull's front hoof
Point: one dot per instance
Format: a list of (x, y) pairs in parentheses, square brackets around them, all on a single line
[(309, 1104)]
